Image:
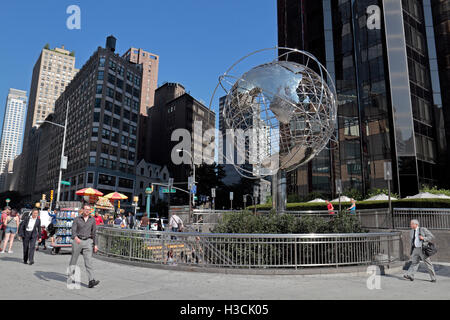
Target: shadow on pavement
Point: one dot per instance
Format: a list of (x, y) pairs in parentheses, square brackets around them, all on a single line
[(48, 276), (11, 259)]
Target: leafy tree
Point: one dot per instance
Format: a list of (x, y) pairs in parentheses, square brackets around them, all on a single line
[(354, 194), (47, 46)]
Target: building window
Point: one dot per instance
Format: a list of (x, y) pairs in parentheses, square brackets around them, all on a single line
[(95, 131), (90, 177), (99, 89), (114, 136), (125, 183), (110, 92), (107, 180), (105, 134)]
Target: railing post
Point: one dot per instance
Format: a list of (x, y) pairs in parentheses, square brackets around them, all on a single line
[(130, 240), (336, 252), (295, 253)]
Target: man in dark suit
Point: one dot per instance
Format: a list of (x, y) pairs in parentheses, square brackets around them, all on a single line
[(30, 232)]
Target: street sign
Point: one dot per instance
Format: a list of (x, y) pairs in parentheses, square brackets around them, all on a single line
[(338, 186), (255, 191), (190, 181), (231, 195), (170, 182), (194, 189), (64, 162), (388, 171), (167, 191), (66, 183), (213, 192)]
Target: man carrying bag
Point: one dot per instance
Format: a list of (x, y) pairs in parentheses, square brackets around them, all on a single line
[(421, 249)]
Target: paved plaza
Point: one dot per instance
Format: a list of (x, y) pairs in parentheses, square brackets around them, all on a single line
[(46, 279)]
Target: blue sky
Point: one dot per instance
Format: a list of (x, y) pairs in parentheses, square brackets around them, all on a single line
[(197, 40)]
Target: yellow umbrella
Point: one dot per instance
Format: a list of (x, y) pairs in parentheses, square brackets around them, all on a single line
[(115, 196)]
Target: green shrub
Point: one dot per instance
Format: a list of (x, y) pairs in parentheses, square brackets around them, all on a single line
[(375, 192), (247, 222), (435, 190)]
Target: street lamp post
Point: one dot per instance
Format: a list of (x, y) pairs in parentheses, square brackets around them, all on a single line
[(135, 204), (62, 161), (148, 192), (191, 201)]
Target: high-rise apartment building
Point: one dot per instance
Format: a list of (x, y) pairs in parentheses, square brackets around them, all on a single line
[(52, 72), (176, 109), (103, 103), (12, 132), (149, 63), (390, 81)]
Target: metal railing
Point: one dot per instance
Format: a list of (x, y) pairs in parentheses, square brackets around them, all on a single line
[(254, 251), (437, 219)]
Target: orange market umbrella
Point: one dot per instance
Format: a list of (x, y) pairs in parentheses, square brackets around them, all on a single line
[(115, 196), (89, 192)]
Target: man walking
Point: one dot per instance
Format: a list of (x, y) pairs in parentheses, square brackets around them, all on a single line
[(84, 242), (130, 220), (30, 231), (419, 236), (176, 224)]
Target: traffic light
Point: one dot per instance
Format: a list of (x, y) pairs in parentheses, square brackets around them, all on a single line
[(51, 195)]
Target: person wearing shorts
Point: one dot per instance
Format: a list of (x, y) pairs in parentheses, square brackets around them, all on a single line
[(5, 213), (11, 225)]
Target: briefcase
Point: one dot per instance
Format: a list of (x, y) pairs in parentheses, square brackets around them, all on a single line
[(429, 249)]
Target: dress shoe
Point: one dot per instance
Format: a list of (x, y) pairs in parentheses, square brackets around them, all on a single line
[(93, 283), (25, 262), (408, 277), (31, 263)]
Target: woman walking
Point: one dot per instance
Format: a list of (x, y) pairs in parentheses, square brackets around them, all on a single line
[(11, 226)]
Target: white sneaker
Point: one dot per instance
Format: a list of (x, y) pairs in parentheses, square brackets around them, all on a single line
[(10, 251), (2, 251)]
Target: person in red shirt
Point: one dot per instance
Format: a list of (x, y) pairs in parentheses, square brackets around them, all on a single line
[(4, 215), (98, 219), (330, 207), (44, 236)]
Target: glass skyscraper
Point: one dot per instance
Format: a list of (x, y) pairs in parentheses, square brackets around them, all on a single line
[(383, 56), (12, 132)]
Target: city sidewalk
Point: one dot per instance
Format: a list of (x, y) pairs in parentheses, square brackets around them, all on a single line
[(46, 279)]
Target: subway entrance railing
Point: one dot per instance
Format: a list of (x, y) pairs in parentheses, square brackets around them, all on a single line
[(251, 251)]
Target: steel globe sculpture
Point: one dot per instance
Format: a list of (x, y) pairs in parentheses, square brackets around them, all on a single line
[(287, 110)]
